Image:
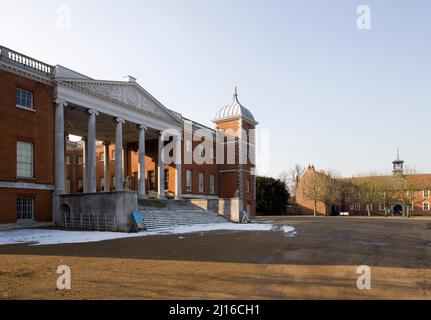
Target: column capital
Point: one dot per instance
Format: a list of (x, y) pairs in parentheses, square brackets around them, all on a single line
[(161, 133), (93, 111), (120, 120), (142, 127), (60, 102), (106, 143)]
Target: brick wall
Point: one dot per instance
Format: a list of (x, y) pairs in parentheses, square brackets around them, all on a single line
[(305, 205), (350, 203), (36, 127), (42, 204), (229, 176)]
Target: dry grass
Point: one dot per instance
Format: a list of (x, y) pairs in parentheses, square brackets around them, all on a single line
[(34, 277)]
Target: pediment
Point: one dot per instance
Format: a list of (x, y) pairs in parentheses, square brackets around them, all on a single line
[(130, 94)]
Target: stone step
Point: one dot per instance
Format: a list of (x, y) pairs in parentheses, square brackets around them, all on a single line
[(177, 223), (159, 219), (189, 219), (158, 224), (261, 220), (175, 214), (179, 216), (184, 214), (149, 204)]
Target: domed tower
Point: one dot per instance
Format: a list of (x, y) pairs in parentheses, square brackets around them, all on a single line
[(236, 124), (398, 164)]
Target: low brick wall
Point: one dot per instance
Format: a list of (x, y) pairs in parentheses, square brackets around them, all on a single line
[(107, 211)]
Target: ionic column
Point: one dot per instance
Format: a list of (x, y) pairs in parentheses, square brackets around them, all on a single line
[(66, 139), (59, 146), (161, 167), (141, 160), (106, 169), (178, 166), (84, 165), (119, 154), (91, 149)]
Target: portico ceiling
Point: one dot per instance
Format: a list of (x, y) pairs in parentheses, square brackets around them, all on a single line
[(76, 123)]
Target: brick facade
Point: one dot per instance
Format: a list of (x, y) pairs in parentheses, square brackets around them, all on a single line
[(304, 204), (349, 200), (37, 127)]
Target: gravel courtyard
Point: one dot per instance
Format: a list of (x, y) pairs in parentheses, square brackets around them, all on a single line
[(319, 262)]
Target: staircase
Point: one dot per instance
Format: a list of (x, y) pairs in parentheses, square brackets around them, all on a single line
[(261, 219), (161, 215)]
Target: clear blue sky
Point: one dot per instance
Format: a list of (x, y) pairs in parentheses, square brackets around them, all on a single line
[(330, 94)]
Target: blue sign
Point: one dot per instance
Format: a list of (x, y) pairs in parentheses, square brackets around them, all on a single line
[(138, 220)]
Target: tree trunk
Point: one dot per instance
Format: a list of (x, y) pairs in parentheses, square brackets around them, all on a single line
[(386, 212), (368, 210), (315, 209)]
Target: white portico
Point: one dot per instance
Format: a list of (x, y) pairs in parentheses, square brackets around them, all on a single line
[(115, 113), (111, 141)]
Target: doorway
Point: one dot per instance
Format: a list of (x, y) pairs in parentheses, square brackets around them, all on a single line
[(151, 180), (335, 210), (398, 210)]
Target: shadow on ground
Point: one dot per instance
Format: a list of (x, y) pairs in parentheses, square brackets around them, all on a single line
[(404, 243)]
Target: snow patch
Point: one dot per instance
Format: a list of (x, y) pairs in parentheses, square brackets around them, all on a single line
[(48, 236), (289, 231)]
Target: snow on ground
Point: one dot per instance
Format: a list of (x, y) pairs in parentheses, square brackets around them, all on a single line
[(289, 231), (49, 236)]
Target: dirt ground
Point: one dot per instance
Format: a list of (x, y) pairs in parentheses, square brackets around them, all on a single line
[(320, 262)]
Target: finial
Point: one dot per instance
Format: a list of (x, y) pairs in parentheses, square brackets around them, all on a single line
[(235, 91), (398, 153)]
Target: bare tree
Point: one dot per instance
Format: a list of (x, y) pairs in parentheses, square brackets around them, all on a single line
[(313, 190), (387, 197), (291, 179), (296, 173), (284, 177), (367, 191), (324, 187), (407, 186), (331, 189)]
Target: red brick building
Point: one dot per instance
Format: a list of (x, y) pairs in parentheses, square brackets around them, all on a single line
[(26, 143), (126, 136), (392, 198)]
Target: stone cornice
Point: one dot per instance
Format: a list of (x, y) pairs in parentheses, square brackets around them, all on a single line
[(236, 117), (26, 74), (69, 85)]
